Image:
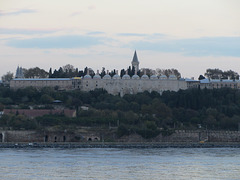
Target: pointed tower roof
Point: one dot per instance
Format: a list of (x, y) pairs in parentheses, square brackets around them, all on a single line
[(135, 58)]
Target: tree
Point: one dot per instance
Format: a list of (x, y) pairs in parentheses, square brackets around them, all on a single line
[(103, 73), (148, 71), (35, 73), (68, 68), (129, 70), (46, 99), (60, 72), (122, 73), (50, 72), (168, 72), (201, 77), (219, 74), (7, 78), (230, 74)]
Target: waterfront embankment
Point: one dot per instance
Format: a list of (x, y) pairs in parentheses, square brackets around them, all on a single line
[(121, 145)]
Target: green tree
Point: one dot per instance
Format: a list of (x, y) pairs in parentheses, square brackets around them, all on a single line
[(46, 99), (201, 77), (168, 72), (35, 73), (6, 78)]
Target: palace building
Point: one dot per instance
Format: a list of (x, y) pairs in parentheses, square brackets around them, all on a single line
[(117, 85)]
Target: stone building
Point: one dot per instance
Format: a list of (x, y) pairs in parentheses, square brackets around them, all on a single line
[(132, 85), (219, 83), (113, 85), (117, 85), (57, 83)]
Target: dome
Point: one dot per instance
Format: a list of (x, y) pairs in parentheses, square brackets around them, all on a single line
[(96, 76), (144, 76), (163, 77), (116, 76), (135, 76), (107, 76), (153, 77), (87, 77), (126, 76), (172, 77)]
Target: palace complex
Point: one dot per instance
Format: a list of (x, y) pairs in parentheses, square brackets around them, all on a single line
[(121, 85)]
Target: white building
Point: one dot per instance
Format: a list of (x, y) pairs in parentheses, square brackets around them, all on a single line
[(123, 85)]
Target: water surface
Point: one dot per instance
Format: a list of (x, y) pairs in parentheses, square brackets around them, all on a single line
[(94, 163)]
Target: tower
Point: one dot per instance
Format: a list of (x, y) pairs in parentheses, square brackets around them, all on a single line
[(19, 72), (135, 62)]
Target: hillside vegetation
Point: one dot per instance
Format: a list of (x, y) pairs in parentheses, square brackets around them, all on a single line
[(146, 113)]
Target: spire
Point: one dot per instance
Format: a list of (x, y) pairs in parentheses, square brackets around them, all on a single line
[(135, 62), (19, 72), (135, 58)]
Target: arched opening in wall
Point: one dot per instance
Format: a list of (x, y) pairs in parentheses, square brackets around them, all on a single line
[(46, 138), (1, 137), (55, 139), (96, 139), (89, 139), (64, 138)]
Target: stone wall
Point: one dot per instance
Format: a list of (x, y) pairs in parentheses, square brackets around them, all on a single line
[(47, 136), (132, 86), (85, 135), (61, 83), (188, 136), (197, 136)]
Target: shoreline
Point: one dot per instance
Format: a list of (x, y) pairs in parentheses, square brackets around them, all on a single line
[(121, 145)]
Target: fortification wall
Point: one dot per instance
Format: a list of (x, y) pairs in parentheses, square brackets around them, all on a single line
[(196, 136), (85, 135), (47, 136), (40, 83), (132, 86)]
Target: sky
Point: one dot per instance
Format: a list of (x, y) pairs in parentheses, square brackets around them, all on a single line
[(188, 35)]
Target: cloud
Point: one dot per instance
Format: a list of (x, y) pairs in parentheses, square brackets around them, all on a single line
[(76, 13), (96, 33), (74, 41), (25, 31), (207, 46), (131, 34), (146, 36), (92, 7), (17, 12)]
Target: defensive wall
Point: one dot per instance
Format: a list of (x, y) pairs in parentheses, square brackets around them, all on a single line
[(90, 135)]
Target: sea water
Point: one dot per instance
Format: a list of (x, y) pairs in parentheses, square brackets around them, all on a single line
[(107, 163)]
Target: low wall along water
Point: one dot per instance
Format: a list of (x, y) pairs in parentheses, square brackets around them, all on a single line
[(94, 136)]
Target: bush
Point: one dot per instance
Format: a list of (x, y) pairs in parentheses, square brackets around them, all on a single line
[(148, 133), (122, 130)]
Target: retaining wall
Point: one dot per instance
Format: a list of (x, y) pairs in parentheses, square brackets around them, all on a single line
[(177, 136)]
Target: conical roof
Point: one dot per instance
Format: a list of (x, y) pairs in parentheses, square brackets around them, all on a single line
[(135, 58)]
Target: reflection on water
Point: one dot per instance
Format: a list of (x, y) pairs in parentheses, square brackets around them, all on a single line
[(172, 163)]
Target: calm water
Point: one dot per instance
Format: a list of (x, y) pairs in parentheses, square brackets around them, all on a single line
[(222, 163)]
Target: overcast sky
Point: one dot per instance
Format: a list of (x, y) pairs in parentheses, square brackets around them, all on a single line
[(189, 35)]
